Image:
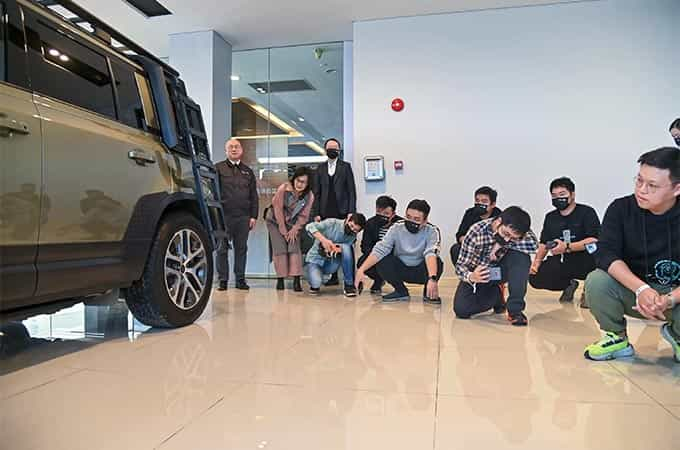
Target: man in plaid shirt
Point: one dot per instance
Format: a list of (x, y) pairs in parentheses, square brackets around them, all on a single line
[(495, 251)]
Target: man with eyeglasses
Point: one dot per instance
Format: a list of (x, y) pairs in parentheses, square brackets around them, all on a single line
[(568, 232), (495, 251), (375, 230), (638, 259)]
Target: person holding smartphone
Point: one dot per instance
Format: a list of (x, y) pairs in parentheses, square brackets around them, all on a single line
[(568, 231), (495, 251)]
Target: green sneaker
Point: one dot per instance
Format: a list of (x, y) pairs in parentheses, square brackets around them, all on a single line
[(667, 334), (611, 346)]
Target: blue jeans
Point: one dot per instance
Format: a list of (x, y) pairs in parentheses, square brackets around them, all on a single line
[(316, 272)]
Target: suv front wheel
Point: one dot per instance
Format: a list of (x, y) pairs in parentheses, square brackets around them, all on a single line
[(177, 279)]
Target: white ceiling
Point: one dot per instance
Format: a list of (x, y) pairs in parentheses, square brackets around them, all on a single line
[(250, 24)]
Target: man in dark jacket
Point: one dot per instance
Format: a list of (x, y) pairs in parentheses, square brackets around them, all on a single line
[(638, 259), (335, 195), (674, 129), (240, 202), (376, 229), (484, 208)]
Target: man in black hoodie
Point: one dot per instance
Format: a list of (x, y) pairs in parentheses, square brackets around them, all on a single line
[(638, 259), (376, 229), (484, 208)]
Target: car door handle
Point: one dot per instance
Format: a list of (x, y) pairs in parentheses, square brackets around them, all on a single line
[(10, 126), (141, 157)]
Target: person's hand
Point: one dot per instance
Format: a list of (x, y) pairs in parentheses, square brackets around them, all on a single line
[(662, 303), (317, 219), (329, 246), (535, 266), (560, 249), (647, 305), (480, 275), (291, 236), (432, 289), (359, 278), (252, 223)]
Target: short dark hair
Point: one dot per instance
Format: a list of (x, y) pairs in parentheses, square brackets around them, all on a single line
[(332, 140), (358, 219), (301, 172), (517, 219), (488, 191), (564, 182), (675, 124), (419, 205), (385, 201), (664, 158)]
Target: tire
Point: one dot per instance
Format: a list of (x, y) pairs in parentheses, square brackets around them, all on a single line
[(169, 294)]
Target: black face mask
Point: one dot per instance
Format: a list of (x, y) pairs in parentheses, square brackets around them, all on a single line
[(332, 153), (561, 203), (412, 227), (348, 231), (481, 208), (382, 220), (677, 141)]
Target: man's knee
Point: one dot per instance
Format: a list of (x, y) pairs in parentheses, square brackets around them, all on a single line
[(599, 287)]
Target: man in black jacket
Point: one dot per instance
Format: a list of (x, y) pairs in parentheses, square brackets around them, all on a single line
[(335, 195), (484, 208), (638, 259), (240, 203), (376, 228), (674, 129)]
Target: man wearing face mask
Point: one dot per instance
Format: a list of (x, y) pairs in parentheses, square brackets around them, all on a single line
[(332, 249), (484, 208), (376, 229), (567, 233), (409, 253), (334, 190), (675, 131), (495, 251)]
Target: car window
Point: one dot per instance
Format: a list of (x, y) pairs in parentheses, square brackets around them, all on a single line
[(65, 69), (130, 110), (144, 89)]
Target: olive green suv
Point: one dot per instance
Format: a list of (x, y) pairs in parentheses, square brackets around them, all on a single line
[(97, 185)]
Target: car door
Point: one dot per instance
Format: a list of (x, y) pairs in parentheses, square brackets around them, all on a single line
[(20, 166), (96, 167)]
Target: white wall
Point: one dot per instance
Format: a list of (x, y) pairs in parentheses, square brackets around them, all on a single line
[(514, 98)]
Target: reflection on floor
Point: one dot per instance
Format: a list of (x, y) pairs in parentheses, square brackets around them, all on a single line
[(280, 370)]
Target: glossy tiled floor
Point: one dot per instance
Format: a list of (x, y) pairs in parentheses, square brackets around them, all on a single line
[(285, 371)]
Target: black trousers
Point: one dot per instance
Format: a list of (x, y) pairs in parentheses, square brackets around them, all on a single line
[(555, 275), (470, 300), (238, 228), (372, 273), (396, 273)]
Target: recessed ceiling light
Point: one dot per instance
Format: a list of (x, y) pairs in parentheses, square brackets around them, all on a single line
[(64, 58), (301, 119), (54, 52), (235, 78), (331, 71)]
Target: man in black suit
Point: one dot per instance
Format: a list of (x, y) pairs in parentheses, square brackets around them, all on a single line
[(335, 194)]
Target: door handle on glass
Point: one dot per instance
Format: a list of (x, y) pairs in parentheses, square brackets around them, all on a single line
[(141, 157), (10, 126)]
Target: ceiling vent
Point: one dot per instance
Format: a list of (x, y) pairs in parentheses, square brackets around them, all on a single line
[(149, 8)]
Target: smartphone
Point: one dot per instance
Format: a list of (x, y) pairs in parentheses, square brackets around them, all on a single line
[(495, 273)]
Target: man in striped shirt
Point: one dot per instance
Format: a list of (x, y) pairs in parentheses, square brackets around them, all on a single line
[(495, 251)]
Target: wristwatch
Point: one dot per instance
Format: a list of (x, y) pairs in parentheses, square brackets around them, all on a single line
[(433, 277), (672, 301), (568, 247)]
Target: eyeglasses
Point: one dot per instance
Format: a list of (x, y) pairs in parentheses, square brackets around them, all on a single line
[(651, 187)]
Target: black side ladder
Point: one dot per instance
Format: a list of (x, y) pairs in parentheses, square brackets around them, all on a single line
[(206, 176)]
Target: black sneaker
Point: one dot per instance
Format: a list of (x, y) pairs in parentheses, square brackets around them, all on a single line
[(333, 281), (350, 290), (376, 288), (568, 293), (242, 285), (432, 301), (583, 303), (279, 284), (222, 286), (297, 285), (500, 308), (396, 296), (518, 319), (314, 291)]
